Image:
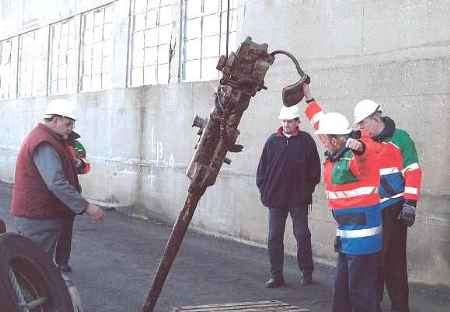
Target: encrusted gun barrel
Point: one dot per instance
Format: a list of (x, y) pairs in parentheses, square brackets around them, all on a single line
[(243, 76)]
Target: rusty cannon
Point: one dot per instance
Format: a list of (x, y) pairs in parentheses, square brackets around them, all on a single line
[(243, 76)]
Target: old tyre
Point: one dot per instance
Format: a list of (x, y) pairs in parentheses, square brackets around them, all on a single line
[(28, 277)]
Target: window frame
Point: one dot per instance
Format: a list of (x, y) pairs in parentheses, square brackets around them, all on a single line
[(221, 38), (9, 70), (158, 45), (74, 88), (88, 42), (24, 54)]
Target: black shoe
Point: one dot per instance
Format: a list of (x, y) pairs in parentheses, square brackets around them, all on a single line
[(275, 282), (65, 268), (306, 280)]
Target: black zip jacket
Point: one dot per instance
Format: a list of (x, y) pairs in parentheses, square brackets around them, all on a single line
[(288, 171)]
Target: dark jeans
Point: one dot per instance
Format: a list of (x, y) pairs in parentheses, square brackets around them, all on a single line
[(355, 287), (394, 272), (275, 242), (64, 243)]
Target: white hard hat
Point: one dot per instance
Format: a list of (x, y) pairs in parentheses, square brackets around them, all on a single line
[(61, 107), (333, 123), (288, 113), (364, 109)]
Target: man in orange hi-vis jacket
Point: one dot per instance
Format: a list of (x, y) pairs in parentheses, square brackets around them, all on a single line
[(402, 196), (400, 180)]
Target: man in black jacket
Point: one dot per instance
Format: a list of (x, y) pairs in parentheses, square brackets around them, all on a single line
[(288, 172)]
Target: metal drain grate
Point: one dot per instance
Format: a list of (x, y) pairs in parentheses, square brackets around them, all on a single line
[(267, 306)]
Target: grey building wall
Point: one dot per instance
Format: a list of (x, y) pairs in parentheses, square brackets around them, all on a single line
[(140, 140)]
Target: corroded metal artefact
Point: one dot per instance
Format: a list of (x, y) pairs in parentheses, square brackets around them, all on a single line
[(243, 76)]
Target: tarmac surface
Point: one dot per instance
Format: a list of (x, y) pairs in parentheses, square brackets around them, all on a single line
[(114, 263)]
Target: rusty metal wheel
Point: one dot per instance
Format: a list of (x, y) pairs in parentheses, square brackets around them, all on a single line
[(29, 281)]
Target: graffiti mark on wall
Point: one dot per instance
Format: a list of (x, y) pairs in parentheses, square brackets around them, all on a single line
[(159, 156)]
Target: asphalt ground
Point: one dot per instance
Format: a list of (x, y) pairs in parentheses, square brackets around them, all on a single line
[(114, 263)]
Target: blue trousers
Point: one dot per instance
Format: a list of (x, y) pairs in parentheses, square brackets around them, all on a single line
[(355, 287), (275, 242)]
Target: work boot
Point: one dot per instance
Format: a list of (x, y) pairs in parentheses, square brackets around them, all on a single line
[(275, 282), (306, 279)]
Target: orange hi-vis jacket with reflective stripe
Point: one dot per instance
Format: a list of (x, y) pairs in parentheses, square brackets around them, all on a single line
[(360, 193), (352, 180), (351, 184), (400, 174), (399, 140)]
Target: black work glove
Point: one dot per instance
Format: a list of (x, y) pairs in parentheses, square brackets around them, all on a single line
[(408, 214)]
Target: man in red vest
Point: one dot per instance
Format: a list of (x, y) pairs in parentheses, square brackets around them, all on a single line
[(46, 190)]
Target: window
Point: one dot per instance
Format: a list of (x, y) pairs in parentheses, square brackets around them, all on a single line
[(33, 48), (63, 71), (96, 49), (152, 41), (204, 37), (8, 68)]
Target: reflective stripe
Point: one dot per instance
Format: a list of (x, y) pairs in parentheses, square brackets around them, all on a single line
[(411, 190), (382, 200), (413, 166), (359, 233), (316, 117), (385, 171), (365, 190)]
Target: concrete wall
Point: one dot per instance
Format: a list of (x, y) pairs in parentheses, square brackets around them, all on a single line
[(140, 140)]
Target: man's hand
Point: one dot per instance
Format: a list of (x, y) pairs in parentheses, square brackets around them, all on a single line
[(408, 214), (95, 213), (307, 91), (354, 145)]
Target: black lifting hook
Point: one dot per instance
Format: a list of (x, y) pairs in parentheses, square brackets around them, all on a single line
[(293, 93)]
